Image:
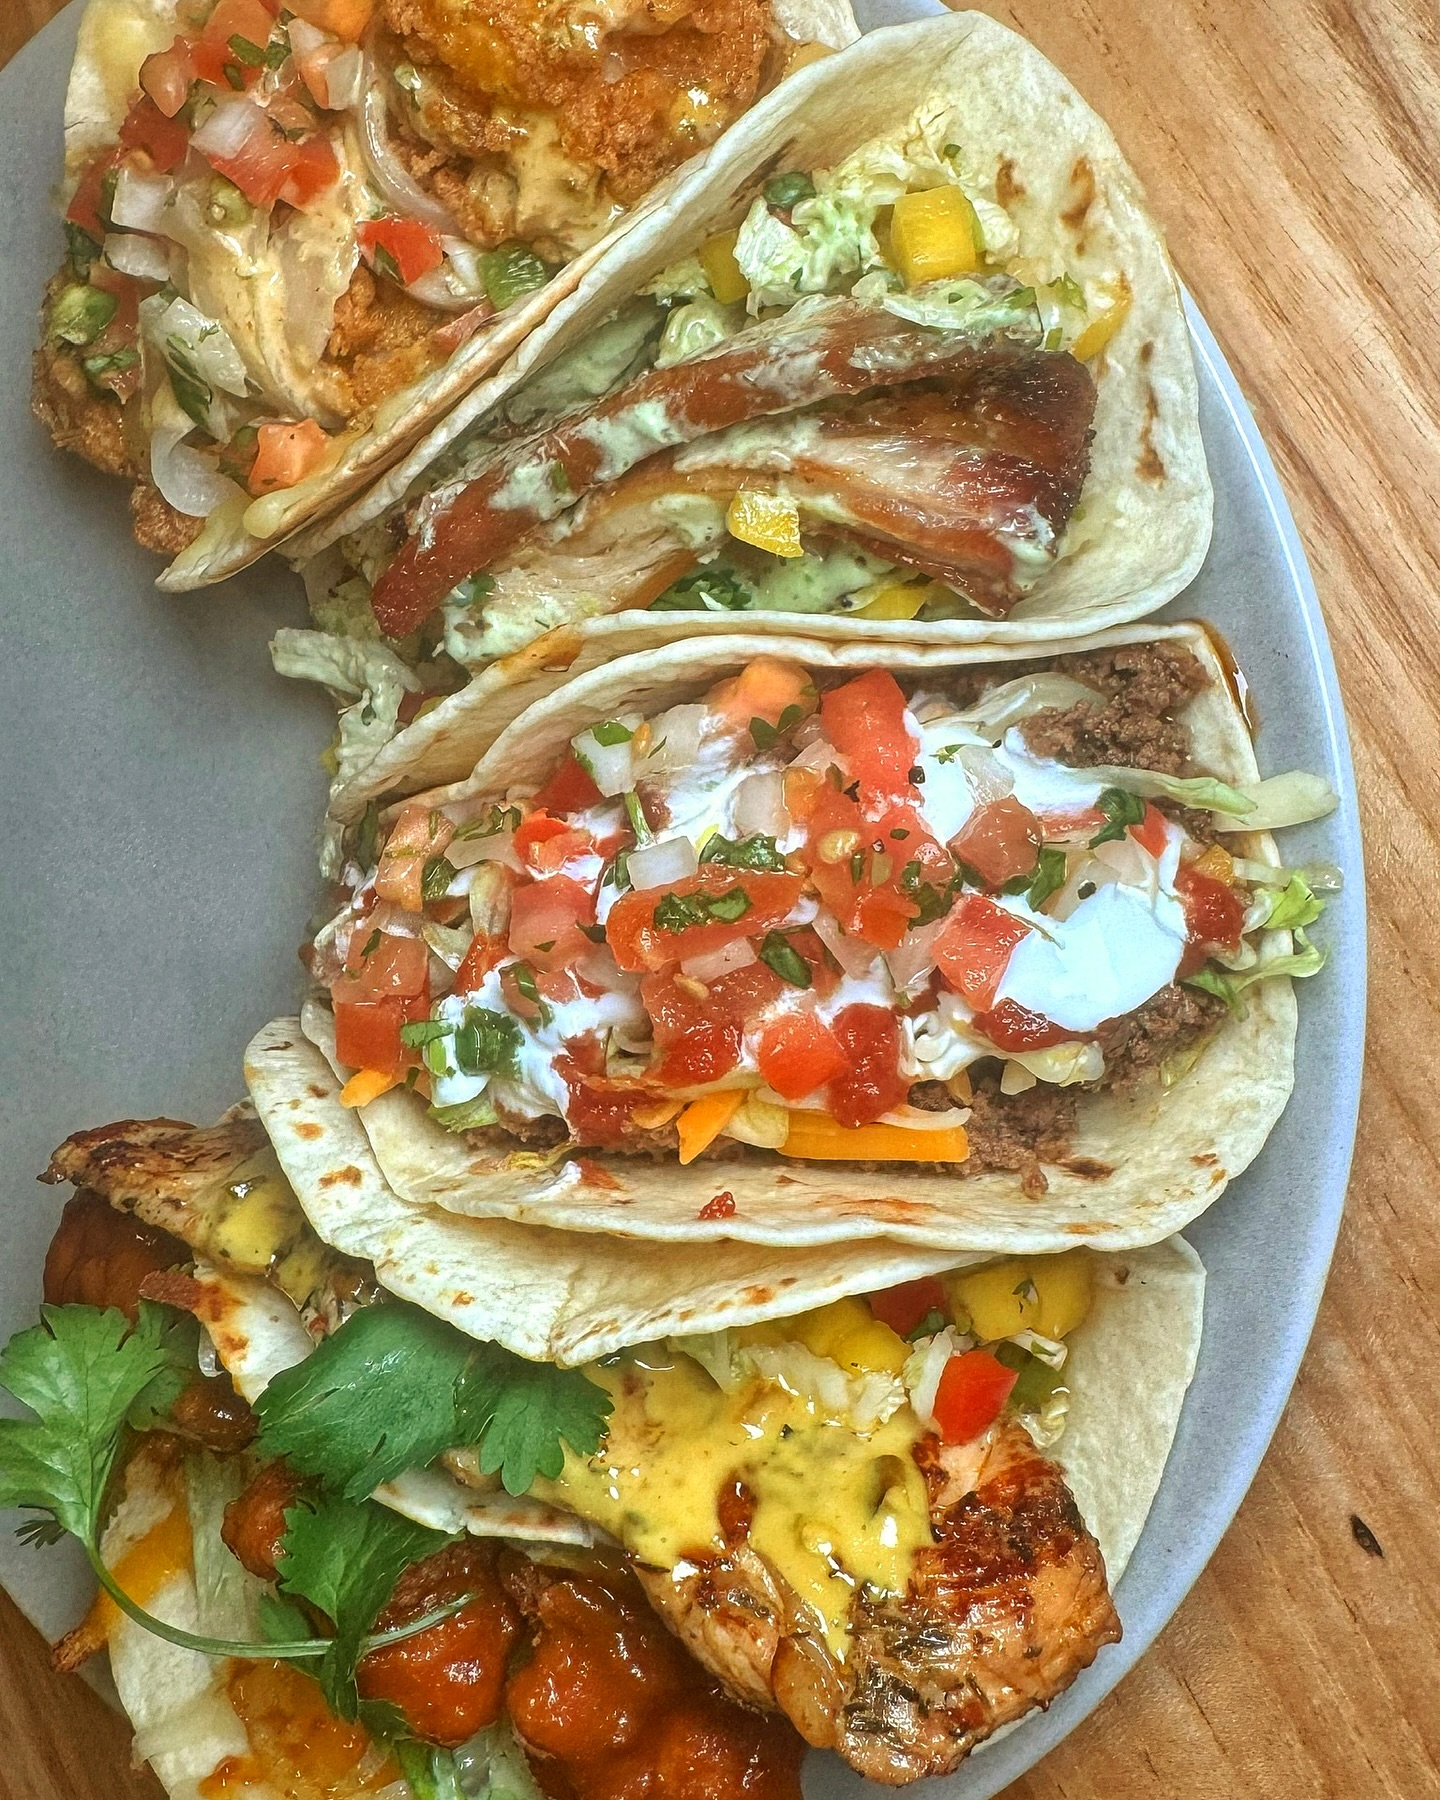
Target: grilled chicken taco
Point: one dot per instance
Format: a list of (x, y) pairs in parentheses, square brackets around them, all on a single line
[(905, 359), (932, 1489), (976, 953), (298, 234)]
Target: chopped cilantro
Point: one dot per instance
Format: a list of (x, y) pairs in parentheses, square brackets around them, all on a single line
[(420, 1032), (779, 954), (766, 735), (1049, 877), (679, 912), (716, 589), (610, 732), (471, 590), (756, 852), (487, 1043), (435, 881), (1121, 810), (785, 191)]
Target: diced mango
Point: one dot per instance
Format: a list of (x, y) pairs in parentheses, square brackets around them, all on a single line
[(1109, 308), (767, 688), (1217, 863), (717, 259), (367, 1085), (704, 1119), (895, 600), (769, 521), (818, 1136), (935, 235), (848, 1333), (1048, 1294)]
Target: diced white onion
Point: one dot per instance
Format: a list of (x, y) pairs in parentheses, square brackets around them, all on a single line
[(600, 968), (675, 739), (760, 806), (203, 339), (611, 766), (853, 954), (738, 954), (914, 956), (190, 481), (669, 860), (987, 777), (388, 173), (229, 128), (305, 37), (1013, 701), (465, 852), (397, 921), (146, 258), (343, 76), (140, 200)]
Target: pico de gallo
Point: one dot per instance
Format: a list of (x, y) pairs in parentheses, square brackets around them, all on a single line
[(823, 918)]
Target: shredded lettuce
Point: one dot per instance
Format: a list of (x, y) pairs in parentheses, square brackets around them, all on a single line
[(974, 307), (1293, 798), (1292, 906), (696, 327), (1230, 986), (489, 1766)]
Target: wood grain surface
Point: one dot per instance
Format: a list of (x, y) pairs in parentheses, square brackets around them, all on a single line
[(1293, 151)]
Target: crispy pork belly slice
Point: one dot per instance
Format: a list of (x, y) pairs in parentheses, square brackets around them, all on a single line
[(1004, 1610)]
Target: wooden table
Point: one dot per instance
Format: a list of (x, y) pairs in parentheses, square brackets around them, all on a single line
[(1293, 151)]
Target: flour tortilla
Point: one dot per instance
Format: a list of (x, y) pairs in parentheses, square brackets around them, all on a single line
[(1144, 521), (1129, 1367), (115, 38), (1142, 1165)]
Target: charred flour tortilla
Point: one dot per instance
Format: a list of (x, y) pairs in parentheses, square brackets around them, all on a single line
[(372, 354), (1055, 190), (1138, 1165)]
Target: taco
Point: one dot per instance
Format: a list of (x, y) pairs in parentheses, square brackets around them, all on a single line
[(904, 359), (298, 235), (768, 939), (1027, 1402)]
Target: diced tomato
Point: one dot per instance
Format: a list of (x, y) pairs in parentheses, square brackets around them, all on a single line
[(700, 1036), (1010, 1026), (313, 170), (163, 140), (347, 19), (418, 834), (865, 720), (411, 245), (545, 921), (798, 1053), (1214, 918), (381, 965), (860, 865), (641, 940), (248, 20), (261, 159), (166, 77), (367, 1034), (1081, 823), (286, 454), (971, 1396), (974, 947), (903, 1307), (482, 956), (1150, 834), (597, 1111), (86, 201), (999, 841), (569, 790), (869, 1036), (547, 844)]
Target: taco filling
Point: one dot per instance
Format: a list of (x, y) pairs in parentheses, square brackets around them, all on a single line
[(832, 1512), (299, 211), (841, 920)]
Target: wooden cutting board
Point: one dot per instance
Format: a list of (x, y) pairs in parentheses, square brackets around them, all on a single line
[(1293, 152)]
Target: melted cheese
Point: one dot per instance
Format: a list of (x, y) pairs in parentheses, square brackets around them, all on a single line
[(147, 1566), (833, 1510)]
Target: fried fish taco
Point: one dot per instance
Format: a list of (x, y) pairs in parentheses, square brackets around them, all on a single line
[(298, 235), (765, 939), (814, 1503), (904, 360)]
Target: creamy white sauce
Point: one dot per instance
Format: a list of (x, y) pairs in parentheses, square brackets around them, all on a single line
[(1116, 950)]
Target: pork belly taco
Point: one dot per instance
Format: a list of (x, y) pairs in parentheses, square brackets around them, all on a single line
[(298, 235), (792, 942), (905, 359), (801, 1503)]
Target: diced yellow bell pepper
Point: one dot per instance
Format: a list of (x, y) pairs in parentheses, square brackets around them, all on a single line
[(367, 1085), (1048, 1294), (816, 1135), (895, 600), (704, 1119), (768, 521), (717, 259), (1113, 301), (935, 235), (848, 1333)]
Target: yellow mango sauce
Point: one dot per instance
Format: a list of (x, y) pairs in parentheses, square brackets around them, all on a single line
[(833, 1511)]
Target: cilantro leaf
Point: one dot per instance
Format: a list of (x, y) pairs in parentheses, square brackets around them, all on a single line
[(525, 1412), (487, 1043), (779, 954), (1049, 877), (1121, 810), (79, 1372), (758, 852), (436, 877), (394, 1387), (180, 1346), (346, 1559)]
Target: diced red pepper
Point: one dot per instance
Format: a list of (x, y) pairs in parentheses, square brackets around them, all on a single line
[(166, 76), (482, 956), (798, 1053), (903, 1307), (285, 454), (971, 1396), (999, 841), (412, 247), (975, 945), (698, 1034), (381, 966), (85, 202)]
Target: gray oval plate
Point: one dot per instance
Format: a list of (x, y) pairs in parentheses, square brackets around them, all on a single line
[(161, 789)]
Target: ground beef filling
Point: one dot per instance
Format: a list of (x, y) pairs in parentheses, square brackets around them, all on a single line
[(1143, 688)]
